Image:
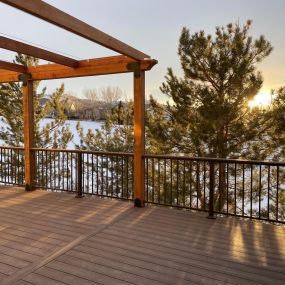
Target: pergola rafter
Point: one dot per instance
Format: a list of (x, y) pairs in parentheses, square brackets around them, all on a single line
[(61, 19), (16, 68), (20, 47), (131, 60)]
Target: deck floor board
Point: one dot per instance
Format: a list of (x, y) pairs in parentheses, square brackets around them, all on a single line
[(52, 238)]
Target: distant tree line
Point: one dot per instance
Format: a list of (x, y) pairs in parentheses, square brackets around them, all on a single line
[(93, 106)]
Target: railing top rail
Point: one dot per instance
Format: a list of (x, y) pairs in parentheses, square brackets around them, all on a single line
[(157, 156), (83, 151), (218, 160), (12, 147)]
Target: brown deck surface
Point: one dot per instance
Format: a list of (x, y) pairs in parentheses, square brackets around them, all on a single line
[(55, 239)]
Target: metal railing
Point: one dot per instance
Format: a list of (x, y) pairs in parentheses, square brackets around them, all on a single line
[(85, 172), (12, 166), (251, 189)]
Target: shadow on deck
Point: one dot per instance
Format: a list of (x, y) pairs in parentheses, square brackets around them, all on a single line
[(55, 239)]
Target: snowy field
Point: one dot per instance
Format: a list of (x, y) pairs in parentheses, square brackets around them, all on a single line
[(71, 124)]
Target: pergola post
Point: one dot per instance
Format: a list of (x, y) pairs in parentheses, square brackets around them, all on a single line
[(28, 108), (139, 136), (130, 60)]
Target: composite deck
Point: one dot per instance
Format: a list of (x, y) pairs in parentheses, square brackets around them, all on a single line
[(55, 239)]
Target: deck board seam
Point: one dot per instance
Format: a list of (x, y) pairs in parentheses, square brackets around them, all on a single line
[(187, 264), (56, 224), (49, 277), (63, 250), (162, 222), (89, 279), (140, 267), (130, 258), (170, 221), (222, 246), (169, 246)]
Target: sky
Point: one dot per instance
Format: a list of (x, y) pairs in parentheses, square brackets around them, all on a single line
[(152, 26)]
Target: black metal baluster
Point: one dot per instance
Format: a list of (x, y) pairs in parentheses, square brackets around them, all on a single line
[(164, 181), (67, 171), (259, 202), (251, 181), (88, 173), (152, 176), (70, 167), (204, 184), (92, 174), (197, 183), (184, 182), (112, 176), (190, 184), (212, 189), (158, 177), (243, 189), (127, 172), (268, 192), (117, 170), (277, 194), (147, 180), (171, 176), (235, 190), (177, 183), (79, 175), (122, 176)]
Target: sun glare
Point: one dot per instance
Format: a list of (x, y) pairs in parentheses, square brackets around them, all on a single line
[(262, 100)]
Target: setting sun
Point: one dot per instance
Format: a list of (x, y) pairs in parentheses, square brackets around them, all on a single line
[(263, 99)]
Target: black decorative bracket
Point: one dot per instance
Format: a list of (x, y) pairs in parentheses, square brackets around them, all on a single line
[(135, 67), (138, 203), (24, 78)]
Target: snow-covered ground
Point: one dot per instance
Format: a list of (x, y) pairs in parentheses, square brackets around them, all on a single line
[(71, 124)]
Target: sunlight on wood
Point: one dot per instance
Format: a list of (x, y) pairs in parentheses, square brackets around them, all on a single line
[(238, 242)]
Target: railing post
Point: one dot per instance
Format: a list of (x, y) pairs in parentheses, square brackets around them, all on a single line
[(212, 189), (28, 109), (79, 176)]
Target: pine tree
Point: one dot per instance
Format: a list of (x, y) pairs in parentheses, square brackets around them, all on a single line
[(116, 134), (209, 115), (51, 135)]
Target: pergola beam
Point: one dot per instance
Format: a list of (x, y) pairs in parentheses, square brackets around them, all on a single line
[(92, 67), (61, 19), (13, 67), (20, 47)]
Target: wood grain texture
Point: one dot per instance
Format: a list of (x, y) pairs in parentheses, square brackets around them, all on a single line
[(139, 136), (13, 67), (90, 67), (29, 136)]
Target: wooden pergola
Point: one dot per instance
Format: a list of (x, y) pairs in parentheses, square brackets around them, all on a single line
[(130, 60)]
